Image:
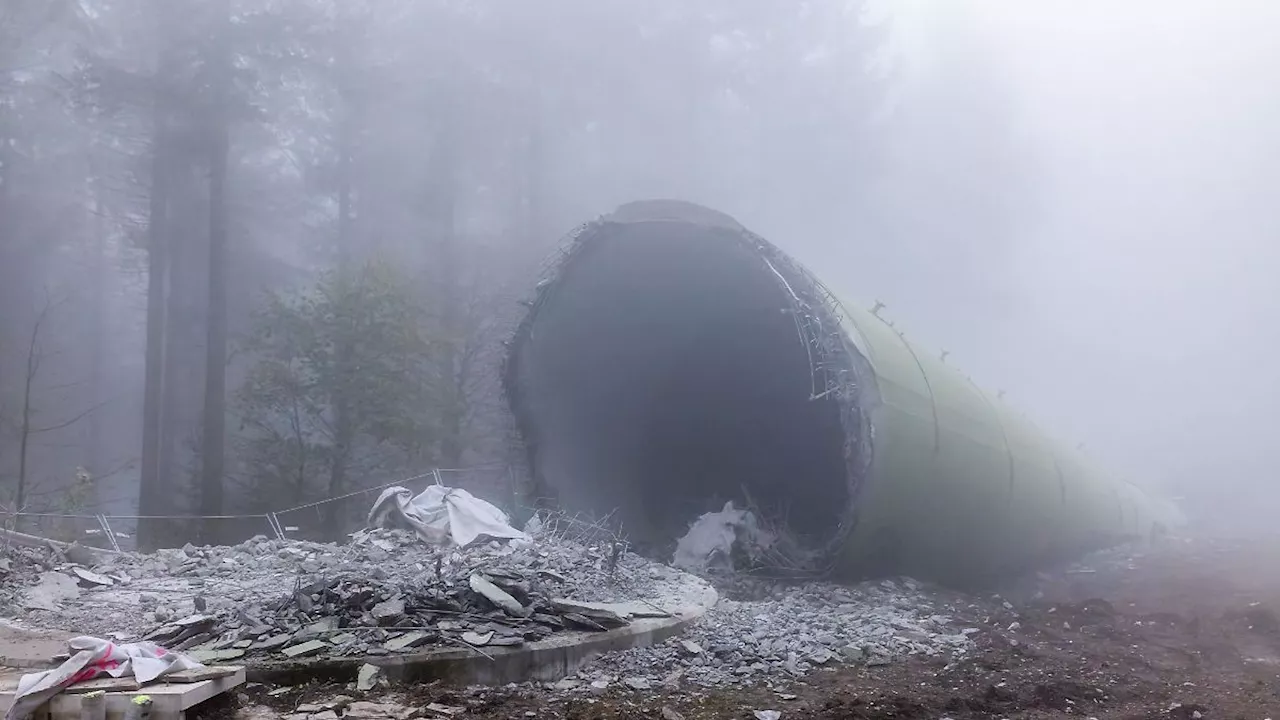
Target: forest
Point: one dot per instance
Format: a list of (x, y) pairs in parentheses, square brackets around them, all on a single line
[(254, 255)]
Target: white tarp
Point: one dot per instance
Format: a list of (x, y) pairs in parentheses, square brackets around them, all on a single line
[(711, 538), (90, 658), (441, 513)]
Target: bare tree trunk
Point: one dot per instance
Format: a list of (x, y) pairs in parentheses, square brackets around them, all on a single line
[(344, 436), (442, 201), (6, 223), (213, 447), (97, 329), (151, 493), (346, 149), (182, 318), (24, 434), (344, 425)]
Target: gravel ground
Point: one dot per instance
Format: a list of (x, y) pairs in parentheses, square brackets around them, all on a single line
[(259, 577), (796, 630), (1188, 631)]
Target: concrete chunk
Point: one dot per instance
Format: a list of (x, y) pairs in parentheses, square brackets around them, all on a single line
[(368, 677), (477, 639), (389, 612), (496, 595), (637, 683), (273, 643), (323, 625), (88, 577), (216, 656), (53, 589), (406, 641), (305, 649), (374, 711)]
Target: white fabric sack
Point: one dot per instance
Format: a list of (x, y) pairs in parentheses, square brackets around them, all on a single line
[(441, 513), (711, 538), (92, 657)]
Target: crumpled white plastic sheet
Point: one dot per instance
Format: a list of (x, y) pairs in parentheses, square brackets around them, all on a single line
[(711, 538), (440, 514), (92, 657)]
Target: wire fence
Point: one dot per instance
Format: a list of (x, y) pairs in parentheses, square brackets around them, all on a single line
[(321, 520)]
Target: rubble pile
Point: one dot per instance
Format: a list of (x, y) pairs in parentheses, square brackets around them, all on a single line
[(388, 591), (797, 630), (384, 592), (495, 600), (22, 568)]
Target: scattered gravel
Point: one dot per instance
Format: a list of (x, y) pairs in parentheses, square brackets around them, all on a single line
[(22, 568), (247, 596), (800, 628), (303, 599)]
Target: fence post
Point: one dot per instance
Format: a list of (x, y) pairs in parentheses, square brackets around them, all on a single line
[(276, 526), (111, 535)]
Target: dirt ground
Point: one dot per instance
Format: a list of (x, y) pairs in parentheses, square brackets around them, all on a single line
[(1186, 631)]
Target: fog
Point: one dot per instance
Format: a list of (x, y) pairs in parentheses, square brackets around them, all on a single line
[(1144, 306), (255, 255)]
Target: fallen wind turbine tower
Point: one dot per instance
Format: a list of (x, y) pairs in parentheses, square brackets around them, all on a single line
[(671, 361)]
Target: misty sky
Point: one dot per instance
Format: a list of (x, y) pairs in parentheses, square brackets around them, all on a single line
[(1071, 197), (1145, 313)]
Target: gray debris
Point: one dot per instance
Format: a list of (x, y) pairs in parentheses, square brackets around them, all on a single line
[(211, 657), (310, 647), (477, 639), (638, 683), (51, 590), (368, 677), (389, 612), (375, 711), (796, 630), (268, 595), (275, 642), (23, 567), (89, 578), (496, 595), (407, 641), (79, 554)]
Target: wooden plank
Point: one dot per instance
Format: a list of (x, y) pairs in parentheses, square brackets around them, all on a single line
[(169, 700), (204, 673), (35, 541), (108, 684), (186, 677)]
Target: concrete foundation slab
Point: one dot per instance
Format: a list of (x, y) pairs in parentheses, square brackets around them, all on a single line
[(543, 661)]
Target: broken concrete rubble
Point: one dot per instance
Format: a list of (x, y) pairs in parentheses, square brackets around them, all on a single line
[(368, 677), (385, 592), (790, 633), (496, 595), (712, 538), (40, 574), (51, 590), (388, 593), (388, 612)]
